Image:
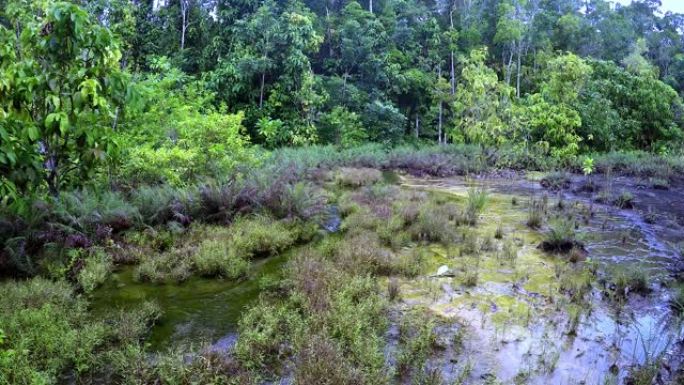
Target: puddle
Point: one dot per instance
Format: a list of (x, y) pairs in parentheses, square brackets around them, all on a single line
[(198, 310)]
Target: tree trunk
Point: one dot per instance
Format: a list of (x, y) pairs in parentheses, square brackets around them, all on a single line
[(370, 6), (261, 91), (417, 126), (453, 66), (508, 67), (184, 21), (517, 82), (439, 118)]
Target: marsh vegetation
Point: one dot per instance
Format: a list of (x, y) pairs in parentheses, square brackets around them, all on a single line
[(425, 280), (341, 192)]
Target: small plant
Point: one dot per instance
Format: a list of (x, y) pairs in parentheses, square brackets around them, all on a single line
[(429, 376), (173, 265), (556, 181), (588, 166), (560, 238), (626, 281), (471, 277), (499, 233), (535, 214), (321, 357), (393, 289), (625, 200), (477, 199), (487, 244), (651, 217), (659, 183), (644, 374), (510, 251), (677, 301), (604, 196), (433, 225), (417, 339)]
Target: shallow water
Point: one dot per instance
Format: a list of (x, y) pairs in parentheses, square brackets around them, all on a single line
[(518, 325), (200, 310)]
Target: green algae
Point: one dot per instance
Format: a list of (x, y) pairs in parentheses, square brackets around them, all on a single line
[(199, 309)]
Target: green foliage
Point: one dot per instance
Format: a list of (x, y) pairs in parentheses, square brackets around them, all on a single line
[(342, 127), (48, 331), (643, 108), (216, 257), (477, 199), (95, 271), (417, 340), (60, 79), (588, 165), (273, 131), (478, 103), (433, 224), (84, 211), (384, 122), (211, 145)]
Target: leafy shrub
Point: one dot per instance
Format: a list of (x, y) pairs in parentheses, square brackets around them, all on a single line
[(219, 258), (260, 236), (342, 127), (47, 331), (173, 265), (227, 252), (95, 271), (417, 341), (384, 121), (204, 145), (264, 332)]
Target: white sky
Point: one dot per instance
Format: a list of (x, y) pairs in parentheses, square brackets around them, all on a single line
[(668, 5)]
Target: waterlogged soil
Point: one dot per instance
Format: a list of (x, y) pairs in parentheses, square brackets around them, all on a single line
[(195, 313), (519, 322)]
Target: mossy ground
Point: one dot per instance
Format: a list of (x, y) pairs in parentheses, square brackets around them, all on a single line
[(365, 305)]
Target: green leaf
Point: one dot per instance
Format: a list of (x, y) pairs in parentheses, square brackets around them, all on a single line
[(64, 124), (33, 132)]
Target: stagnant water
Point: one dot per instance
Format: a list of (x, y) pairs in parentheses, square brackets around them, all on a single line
[(516, 329), (515, 325), (197, 311)]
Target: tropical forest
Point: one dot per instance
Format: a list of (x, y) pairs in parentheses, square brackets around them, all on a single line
[(341, 192)]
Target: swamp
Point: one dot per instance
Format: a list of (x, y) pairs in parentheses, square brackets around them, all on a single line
[(341, 192)]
